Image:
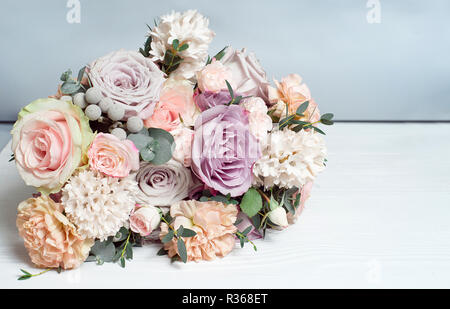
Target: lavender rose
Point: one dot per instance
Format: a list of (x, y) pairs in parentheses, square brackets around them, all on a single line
[(248, 75), (130, 80), (207, 99), (223, 150), (163, 185)]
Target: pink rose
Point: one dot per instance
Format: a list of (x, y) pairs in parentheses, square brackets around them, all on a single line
[(213, 76), (51, 240), (144, 219), (177, 98), (183, 145), (305, 193), (112, 156), (212, 221), (129, 79), (50, 140)]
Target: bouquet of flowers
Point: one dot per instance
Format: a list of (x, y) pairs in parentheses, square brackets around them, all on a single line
[(167, 146)]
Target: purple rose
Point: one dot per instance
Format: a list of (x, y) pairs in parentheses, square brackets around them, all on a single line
[(223, 150), (207, 99)]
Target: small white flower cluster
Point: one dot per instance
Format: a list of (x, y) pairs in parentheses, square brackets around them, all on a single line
[(290, 159), (188, 27), (98, 205)]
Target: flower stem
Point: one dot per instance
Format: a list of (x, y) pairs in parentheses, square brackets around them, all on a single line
[(127, 242)]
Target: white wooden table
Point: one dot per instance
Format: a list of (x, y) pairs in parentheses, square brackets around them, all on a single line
[(379, 217)]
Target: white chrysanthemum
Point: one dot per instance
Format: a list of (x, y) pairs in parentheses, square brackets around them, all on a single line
[(99, 206), (290, 159), (188, 27)]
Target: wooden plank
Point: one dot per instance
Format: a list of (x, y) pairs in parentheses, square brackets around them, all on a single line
[(378, 218)]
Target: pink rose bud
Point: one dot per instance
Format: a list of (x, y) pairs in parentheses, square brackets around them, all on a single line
[(144, 219)]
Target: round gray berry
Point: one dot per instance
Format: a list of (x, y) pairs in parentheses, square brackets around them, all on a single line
[(119, 133), (135, 124), (116, 112), (93, 112), (93, 95), (78, 100), (105, 104)]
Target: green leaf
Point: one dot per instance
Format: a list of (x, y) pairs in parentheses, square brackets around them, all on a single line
[(81, 74), (25, 272), (230, 89), (180, 231), (121, 235), (251, 202), (241, 240), (162, 252), (175, 44), (273, 203), (122, 262), (182, 250), (24, 277), (104, 250), (188, 233), (183, 47), (129, 251), (247, 230), (70, 87), (220, 54), (163, 153), (302, 108), (168, 237), (285, 121), (327, 122), (159, 134), (327, 116), (140, 140), (66, 75), (147, 154), (318, 130)]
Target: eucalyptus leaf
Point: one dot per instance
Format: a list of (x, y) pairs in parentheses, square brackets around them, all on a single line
[(302, 108), (162, 251), (104, 251), (251, 202), (230, 89), (168, 237), (147, 154), (164, 153), (327, 116), (175, 44), (188, 233), (318, 130), (247, 230), (81, 74), (140, 140), (183, 47), (70, 87), (182, 250)]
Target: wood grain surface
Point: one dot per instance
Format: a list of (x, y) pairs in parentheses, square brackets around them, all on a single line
[(379, 217)]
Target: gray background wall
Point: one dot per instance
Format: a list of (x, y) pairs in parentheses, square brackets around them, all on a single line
[(398, 69)]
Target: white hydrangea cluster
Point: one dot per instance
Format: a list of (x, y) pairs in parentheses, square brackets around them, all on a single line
[(290, 159), (188, 27), (99, 206)]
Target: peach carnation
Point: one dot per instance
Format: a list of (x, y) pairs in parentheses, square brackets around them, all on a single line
[(212, 221), (52, 241)]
